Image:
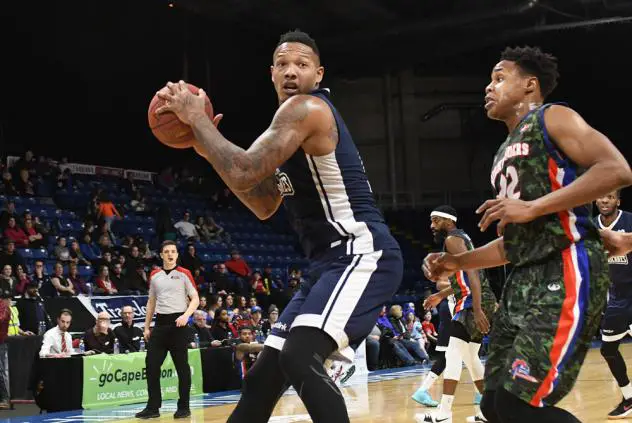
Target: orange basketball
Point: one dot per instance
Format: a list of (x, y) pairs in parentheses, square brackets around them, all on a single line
[(168, 128)]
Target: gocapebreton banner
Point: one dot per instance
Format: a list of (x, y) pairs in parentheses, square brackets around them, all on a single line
[(111, 380)]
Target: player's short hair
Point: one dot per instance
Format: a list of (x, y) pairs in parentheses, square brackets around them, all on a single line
[(533, 61), (298, 36), (166, 244), (64, 312)]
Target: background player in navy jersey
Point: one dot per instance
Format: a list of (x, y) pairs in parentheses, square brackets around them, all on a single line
[(308, 160), (546, 174), (618, 318)]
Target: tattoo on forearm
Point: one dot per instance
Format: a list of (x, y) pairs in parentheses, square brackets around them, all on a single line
[(238, 167)]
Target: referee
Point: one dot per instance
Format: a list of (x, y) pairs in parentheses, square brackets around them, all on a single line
[(173, 297)]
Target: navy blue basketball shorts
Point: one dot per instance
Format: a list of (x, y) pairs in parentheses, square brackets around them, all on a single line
[(617, 321), (342, 296), (446, 307)]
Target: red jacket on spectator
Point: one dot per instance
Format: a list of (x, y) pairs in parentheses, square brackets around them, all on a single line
[(238, 266), (17, 235)]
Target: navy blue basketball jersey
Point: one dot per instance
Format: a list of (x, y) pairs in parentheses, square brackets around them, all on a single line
[(620, 266), (329, 200)]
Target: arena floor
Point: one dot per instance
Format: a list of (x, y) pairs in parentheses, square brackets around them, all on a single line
[(384, 397)]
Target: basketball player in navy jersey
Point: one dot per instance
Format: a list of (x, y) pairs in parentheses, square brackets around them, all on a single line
[(618, 317), (307, 160)]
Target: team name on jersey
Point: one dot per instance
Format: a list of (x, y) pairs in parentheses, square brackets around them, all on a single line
[(284, 184), (513, 150), (618, 260)]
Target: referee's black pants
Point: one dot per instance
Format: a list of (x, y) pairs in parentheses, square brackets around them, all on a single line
[(167, 337)]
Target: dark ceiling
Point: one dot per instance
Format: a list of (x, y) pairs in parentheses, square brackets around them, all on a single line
[(78, 74)]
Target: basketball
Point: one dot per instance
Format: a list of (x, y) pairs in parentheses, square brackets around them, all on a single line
[(168, 128)]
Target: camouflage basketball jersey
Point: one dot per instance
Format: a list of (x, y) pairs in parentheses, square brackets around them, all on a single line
[(460, 283), (528, 166)]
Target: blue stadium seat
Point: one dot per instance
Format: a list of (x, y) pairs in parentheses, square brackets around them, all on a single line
[(85, 271)]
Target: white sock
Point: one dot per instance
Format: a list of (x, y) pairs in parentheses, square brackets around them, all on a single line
[(627, 391), (445, 409), (430, 379)]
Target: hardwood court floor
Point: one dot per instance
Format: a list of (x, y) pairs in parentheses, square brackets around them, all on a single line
[(386, 400)]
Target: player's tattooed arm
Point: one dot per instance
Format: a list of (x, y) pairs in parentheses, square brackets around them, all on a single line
[(294, 122), (250, 173), (607, 169)]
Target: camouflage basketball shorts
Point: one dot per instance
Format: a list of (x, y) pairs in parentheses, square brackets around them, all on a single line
[(549, 314), (466, 318)]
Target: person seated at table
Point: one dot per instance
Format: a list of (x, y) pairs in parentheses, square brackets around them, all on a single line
[(129, 336), (100, 338), (57, 341), (202, 330)]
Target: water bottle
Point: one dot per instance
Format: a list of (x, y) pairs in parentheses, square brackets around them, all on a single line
[(89, 289), (116, 346), (197, 340), (42, 328), (82, 347), (142, 343)]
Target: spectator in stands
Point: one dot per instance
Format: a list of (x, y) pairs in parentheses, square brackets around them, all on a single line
[(222, 328), (256, 324), (105, 243), (413, 326), (65, 180), (22, 280), (107, 212), (100, 338), (16, 234), (200, 282), (129, 336), (164, 225), (395, 332), (273, 317), (76, 280), (24, 185), (27, 162), (373, 348), (220, 281), (238, 266), (11, 256), (36, 239), (106, 287), (138, 204), (242, 303), (76, 256), (190, 260), (229, 305), (41, 228), (61, 284), (429, 329), (146, 253), (89, 228), (89, 250), (7, 213), (126, 245), (186, 229), (5, 318), (202, 230), (119, 279), (7, 278), (32, 311), (57, 341), (214, 304), (8, 188), (61, 252), (200, 328), (38, 274), (203, 306), (166, 179)]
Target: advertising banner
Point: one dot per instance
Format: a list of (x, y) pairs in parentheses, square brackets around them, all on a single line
[(113, 305), (111, 380)]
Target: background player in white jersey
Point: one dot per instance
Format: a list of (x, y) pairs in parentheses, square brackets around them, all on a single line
[(618, 317)]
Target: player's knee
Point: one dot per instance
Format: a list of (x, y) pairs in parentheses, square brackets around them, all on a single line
[(609, 349)]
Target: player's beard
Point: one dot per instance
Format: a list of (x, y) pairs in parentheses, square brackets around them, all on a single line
[(440, 236)]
